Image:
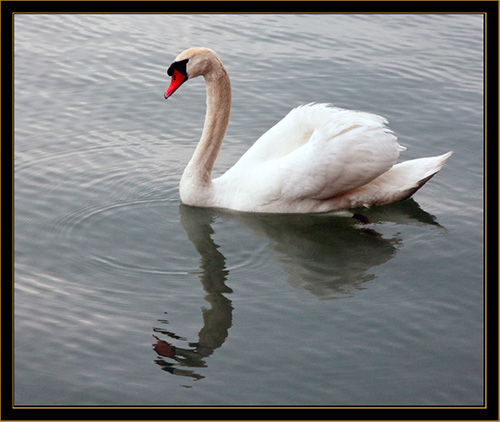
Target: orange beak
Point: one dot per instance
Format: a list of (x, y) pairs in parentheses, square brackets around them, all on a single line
[(177, 80)]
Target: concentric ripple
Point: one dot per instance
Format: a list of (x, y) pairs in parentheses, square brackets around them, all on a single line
[(134, 236)]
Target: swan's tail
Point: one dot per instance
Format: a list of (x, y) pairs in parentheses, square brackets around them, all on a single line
[(397, 184)]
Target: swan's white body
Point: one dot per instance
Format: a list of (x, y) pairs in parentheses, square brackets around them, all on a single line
[(316, 159)]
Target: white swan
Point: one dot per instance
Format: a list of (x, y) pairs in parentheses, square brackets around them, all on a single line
[(316, 159)]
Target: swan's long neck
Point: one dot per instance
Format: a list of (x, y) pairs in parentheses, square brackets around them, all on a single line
[(196, 181)]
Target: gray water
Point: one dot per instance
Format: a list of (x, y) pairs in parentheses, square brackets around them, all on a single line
[(123, 296)]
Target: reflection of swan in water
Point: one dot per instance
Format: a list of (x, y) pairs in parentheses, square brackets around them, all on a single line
[(327, 255)]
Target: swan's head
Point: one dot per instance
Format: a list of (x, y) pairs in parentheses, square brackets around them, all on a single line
[(193, 62)]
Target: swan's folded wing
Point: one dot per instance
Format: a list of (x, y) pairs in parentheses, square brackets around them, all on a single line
[(348, 151), (315, 153)]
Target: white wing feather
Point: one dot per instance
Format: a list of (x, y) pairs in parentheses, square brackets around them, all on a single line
[(314, 153)]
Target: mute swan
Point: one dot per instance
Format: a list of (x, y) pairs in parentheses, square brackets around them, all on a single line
[(318, 158)]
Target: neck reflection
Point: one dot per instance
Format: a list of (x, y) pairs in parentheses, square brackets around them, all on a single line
[(218, 318)]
